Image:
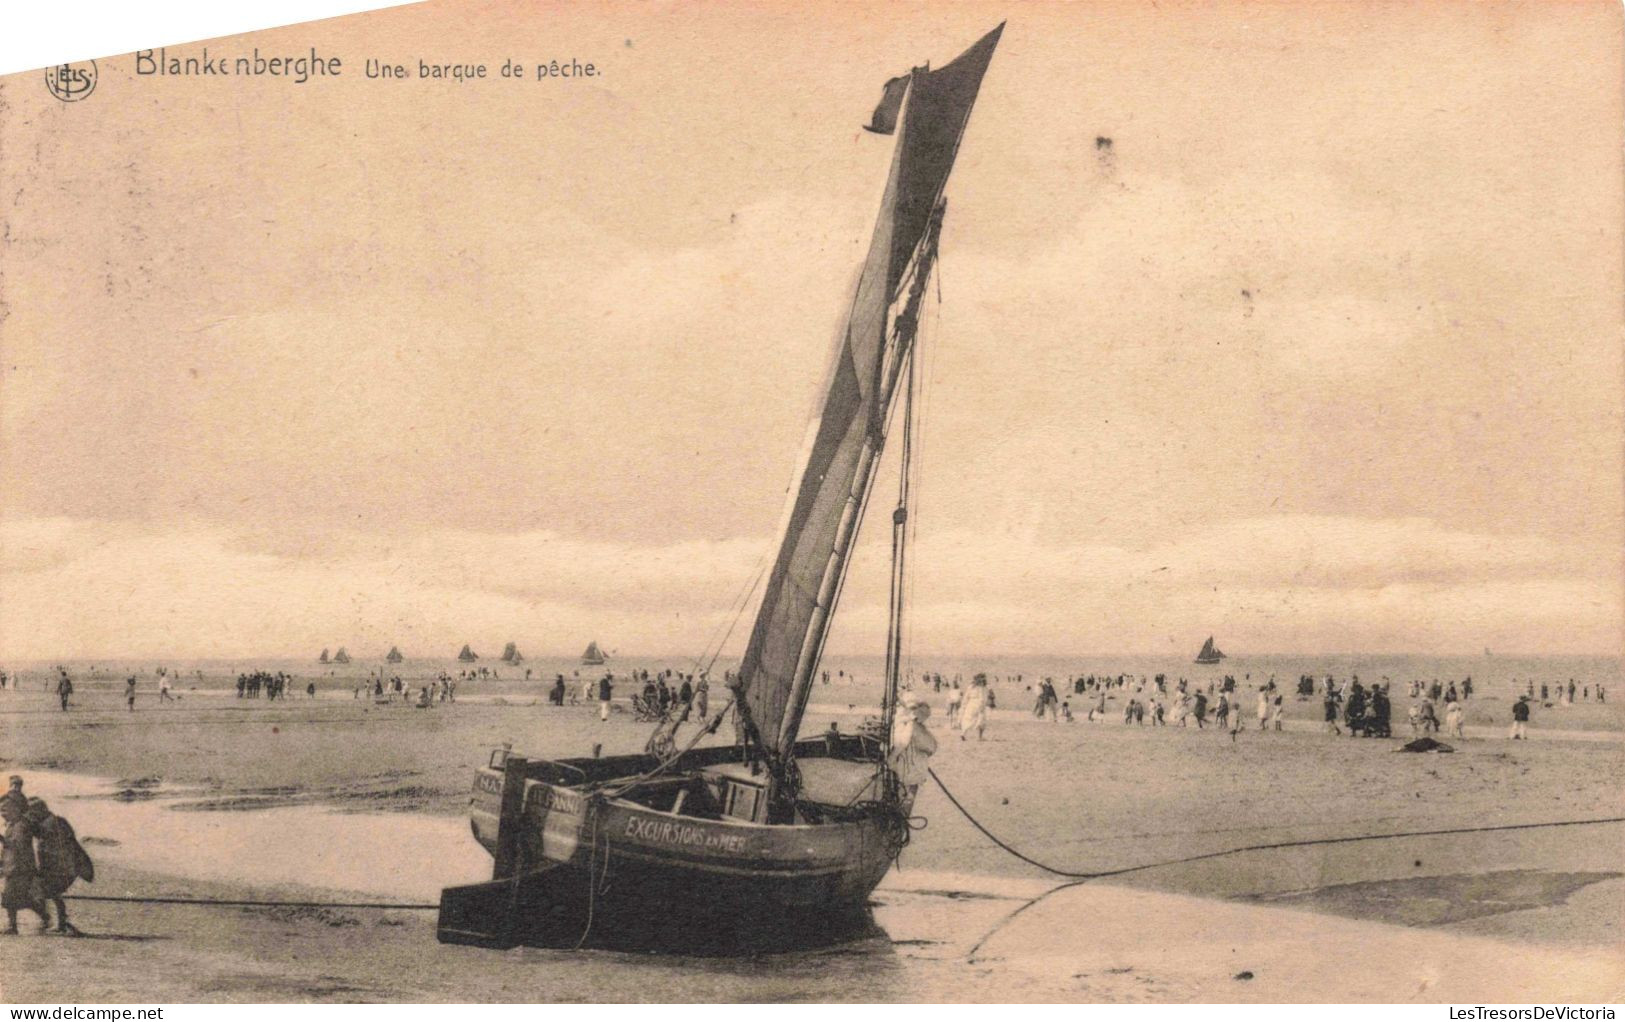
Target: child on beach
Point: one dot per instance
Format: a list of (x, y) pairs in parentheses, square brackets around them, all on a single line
[(1452, 718)]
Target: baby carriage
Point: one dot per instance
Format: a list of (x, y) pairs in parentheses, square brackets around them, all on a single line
[(646, 709)]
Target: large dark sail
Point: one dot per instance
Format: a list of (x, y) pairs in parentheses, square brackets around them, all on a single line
[(848, 432)]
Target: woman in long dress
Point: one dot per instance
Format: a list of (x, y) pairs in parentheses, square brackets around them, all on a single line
[(973, 713), (912, 743)]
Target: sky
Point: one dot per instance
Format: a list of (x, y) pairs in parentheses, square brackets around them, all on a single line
[(1321, 354)]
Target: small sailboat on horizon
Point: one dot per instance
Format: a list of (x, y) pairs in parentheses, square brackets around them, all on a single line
[(342, 656), (511, 654), (394, 655), (467, 655), (1210, 653), (325, 658), (593, 656)]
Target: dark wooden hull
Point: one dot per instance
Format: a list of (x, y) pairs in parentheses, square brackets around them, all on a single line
[(574, 869)]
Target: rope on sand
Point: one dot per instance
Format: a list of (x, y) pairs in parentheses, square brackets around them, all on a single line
[(239, 903), (1080, 878), (1254, 848)]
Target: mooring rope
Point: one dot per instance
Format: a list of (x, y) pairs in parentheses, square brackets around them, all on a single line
[(1305, 842), (1080, 878), (244, 903)]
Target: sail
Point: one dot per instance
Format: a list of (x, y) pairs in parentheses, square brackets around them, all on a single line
[(1207, 648), (467, 655), (324, 658), (394, 656), (847, 432), (342, 656), (510, 653), (592, 655)]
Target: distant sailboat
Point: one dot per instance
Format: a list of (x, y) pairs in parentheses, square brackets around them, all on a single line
[(341, 657), (511, 654), (1210, 654), (324, 658), (394, 656), (467, 656), (594, 656)]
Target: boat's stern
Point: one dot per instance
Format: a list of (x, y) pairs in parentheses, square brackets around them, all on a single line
[(485, 802)]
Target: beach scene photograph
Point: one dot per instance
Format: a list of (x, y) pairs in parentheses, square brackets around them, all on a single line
[(728, 503)]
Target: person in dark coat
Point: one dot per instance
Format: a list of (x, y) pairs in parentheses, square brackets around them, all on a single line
[(20, 869), (1379, 722), (1354, 711), (62, 860), (14, 794)]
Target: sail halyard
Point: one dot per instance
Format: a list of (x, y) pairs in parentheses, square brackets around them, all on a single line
[(831, 493)]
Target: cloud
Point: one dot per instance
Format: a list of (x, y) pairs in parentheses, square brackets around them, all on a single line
[(1282, 583)]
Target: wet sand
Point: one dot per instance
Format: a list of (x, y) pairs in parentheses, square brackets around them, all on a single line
[(339, 799)]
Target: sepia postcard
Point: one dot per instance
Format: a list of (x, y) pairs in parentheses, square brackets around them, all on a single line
[(819, 502)]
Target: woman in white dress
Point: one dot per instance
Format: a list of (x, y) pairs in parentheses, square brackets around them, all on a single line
[(912, 743), (973, 713)]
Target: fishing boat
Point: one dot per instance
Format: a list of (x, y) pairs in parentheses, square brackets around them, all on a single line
[(467, 655), (510, 654), (394, 655), (342, 656), (772, 840), (1210, 653), (593, 656), (324, 658)]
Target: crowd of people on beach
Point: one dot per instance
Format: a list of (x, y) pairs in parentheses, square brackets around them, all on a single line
[(275, 686), (1347, 706)]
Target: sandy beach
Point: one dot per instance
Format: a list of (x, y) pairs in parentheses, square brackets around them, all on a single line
[(338, 799)]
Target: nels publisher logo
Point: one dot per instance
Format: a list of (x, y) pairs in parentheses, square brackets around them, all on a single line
[(71, 82)]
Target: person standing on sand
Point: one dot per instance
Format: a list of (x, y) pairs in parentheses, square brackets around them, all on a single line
[(19, 867), (974, 714), (62, 860), (129, 693), (1263, 708), (64, 689), (702, 697), (163, 689), (1520, 719), (912, 743), (14, 795), (606, 689), (1329, 706), (1452, 718)]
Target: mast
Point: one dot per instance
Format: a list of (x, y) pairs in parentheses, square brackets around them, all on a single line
[(927, 110)]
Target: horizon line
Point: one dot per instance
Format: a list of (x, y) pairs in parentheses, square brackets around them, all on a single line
[(1003, 654)]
